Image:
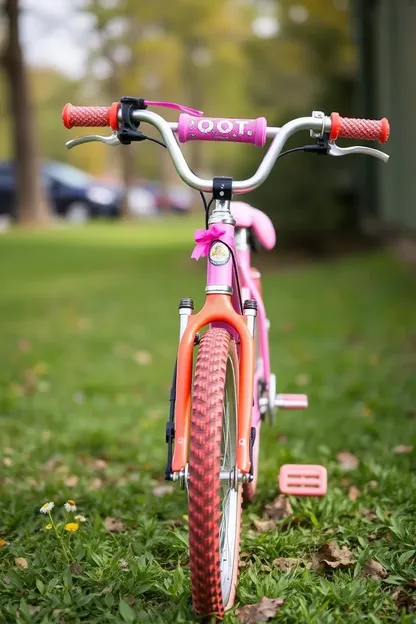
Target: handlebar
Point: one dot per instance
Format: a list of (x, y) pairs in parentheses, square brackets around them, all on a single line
[(236, 130), (353, 128)]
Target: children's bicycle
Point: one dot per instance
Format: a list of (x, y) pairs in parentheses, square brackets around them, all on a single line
[(218, 405)]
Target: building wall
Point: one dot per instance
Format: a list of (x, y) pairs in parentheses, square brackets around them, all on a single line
[(394, 23)]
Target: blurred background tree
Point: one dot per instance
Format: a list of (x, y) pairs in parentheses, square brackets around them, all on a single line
[(32, 204), (277, 58)]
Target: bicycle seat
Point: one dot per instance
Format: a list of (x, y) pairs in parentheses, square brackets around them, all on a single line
[(248, 217)]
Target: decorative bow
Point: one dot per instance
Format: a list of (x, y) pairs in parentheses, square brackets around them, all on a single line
[(204, 238)]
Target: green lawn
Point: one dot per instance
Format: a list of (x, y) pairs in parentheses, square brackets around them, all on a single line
[(88, 336)]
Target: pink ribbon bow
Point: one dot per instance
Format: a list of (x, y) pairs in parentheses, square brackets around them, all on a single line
[(204, 238)]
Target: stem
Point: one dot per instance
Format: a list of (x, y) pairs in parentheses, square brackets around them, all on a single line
[(59, 538)]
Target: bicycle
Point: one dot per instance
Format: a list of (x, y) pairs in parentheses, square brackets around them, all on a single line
[(213, 432)]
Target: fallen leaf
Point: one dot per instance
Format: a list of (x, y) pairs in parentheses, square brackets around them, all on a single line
[(33, 609), (161, 490), (51, 464), (279, 508), (113, 525), (21, 562), (262, 611), (403, 600), (98, 464), (285, 564), (3, 543), (96, 484), (374, 570), (72, 481), (7, 462), (75, 568), (142, 357), (368, 514), (353, 493), (331, 557), (302, 380), (347, 461), (24, 345), (388, 536), (402, 448), (372, 484), (411, 582), (345, 482), (372, 537), (265, 525)]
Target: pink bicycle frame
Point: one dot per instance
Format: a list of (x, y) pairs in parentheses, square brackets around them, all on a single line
[(222, 308)]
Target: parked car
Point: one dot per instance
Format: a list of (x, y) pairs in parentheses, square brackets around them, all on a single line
[(74, 194)]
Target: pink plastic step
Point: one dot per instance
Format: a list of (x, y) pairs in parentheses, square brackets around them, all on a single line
[(303, 480), (291, 401)]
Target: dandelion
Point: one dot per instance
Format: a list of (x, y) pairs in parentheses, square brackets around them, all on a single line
[(70, 505), (72, 527), (47, 508), (48, 526), (80, 518)]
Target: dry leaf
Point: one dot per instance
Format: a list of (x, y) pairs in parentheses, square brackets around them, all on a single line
[(98, 464), (7, 462), (331, 557), (279, 508), (353, 493), (113, 525), (24, 345), (76, 568), (142, 357), (347, 461), (33, 609), (72, 481), (345, 482), (388, 536), (265, 525), (411, 583), (403, 600), (262, 611), (51, 464), (285, 564), (374, 570), (3, 543), (161, 490), (96, 484), (21, 563), (367, 513), (372, 484), (402, 448)]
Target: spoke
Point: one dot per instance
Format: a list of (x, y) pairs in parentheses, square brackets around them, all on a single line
[(229, 495)]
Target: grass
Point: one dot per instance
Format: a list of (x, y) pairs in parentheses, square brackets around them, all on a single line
[(89, 332)]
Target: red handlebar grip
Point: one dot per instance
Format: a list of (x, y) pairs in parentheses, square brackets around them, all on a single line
[(367, 129), (91, 116)]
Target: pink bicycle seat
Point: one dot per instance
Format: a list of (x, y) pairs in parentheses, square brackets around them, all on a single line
[(248, 217)]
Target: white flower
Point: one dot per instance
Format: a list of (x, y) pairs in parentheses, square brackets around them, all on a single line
[(70, 505), (80, 518), (47, 508)]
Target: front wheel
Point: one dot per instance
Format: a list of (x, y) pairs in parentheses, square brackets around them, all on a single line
[(214, 505)]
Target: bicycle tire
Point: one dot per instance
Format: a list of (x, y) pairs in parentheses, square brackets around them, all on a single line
[(214, 510)]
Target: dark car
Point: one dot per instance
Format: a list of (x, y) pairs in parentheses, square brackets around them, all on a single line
[(74, 194)]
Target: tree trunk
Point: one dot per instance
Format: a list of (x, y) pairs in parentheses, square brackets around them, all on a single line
[(32, 204)]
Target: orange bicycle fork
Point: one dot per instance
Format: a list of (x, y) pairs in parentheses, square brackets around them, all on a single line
[(218, 308)]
